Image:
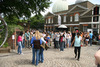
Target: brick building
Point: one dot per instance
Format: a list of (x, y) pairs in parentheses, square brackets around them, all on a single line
[(82, 16)]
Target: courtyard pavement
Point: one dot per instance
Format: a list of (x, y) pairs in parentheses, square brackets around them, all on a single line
[(52, 58)]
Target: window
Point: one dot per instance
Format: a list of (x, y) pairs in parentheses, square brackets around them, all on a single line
[(99, 10), (49, 20), (70, 18), (76, 17), (64, 18), (52, 20), (46, 21)]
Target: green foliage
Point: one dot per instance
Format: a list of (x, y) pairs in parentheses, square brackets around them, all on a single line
[(11, 29), (23, 7), (5, 45), (11, 20), (37, 22)]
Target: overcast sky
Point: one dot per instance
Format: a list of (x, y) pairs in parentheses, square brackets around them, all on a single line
[(69, 3)]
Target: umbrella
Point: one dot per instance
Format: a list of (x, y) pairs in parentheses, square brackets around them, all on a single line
[(62, 26)]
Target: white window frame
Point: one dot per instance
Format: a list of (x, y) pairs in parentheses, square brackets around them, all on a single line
[(46, 21), (99, 9), (76, 17), (71, 18), (64, 19), (52, 19), (49, 20)]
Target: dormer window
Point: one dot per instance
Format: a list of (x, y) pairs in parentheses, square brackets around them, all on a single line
[(76, 17)]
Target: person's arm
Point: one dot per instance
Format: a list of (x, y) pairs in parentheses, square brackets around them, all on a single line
[(40, 41), (73, 42), (43, 40), (32, 40), (97, 57)]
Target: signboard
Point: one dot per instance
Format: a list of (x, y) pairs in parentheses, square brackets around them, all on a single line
[(88, 30), (13, 37)]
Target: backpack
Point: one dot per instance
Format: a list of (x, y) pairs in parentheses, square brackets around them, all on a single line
[(36, 44)]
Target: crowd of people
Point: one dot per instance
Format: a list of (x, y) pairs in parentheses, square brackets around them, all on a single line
[(59, 40)]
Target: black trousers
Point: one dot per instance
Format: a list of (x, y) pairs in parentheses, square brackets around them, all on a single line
[(77, 49)]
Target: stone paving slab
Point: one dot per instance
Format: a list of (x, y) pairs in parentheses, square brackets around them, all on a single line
[(52, 58)]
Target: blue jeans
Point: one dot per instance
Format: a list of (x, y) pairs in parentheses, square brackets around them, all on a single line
[(20, 47), (27, 43), (23, 44), (61, 46), (57, 44), (41, 57), (90, 42), (37, 55)]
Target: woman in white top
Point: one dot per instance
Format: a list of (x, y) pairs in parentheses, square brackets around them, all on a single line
[(77, 45)]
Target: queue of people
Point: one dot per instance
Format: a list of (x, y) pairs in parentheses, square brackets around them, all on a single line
[(60, 40)]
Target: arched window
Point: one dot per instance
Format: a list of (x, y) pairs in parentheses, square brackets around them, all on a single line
[(52, 19), (76, 17), (64, 18), (71, 18), (48, 20)]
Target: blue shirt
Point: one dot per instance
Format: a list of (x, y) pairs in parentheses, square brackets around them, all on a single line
[(33, 38), (77, 41), (91, 35)]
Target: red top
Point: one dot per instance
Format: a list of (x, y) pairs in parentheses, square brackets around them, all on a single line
[(19, 39)]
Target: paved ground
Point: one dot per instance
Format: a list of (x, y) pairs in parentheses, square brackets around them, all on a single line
[(52, 58)]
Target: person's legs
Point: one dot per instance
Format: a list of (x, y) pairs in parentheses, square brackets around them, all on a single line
[(18, 48), (23, 43), (42, 57), (63, 46), (33, 59), (37, 56), (79, 50), (75, 51), (60, 46), (90, 42)]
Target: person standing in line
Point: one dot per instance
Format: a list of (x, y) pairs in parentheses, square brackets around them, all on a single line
[(19, 40), (23, 38), (57, 40), (52, 37), (69, 39), (62, 39), (27, 38), (36, 42), (87, 39), (77, 45), (73, 36), (91, 35), (41, 56)]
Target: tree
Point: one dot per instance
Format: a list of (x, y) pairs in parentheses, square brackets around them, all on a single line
[(37, 22), (20, 8), (23, 7)]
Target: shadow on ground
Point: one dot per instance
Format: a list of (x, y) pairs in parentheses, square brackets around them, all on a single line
[(23, 62)]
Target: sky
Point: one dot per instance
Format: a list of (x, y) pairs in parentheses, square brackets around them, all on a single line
[(69, 3)]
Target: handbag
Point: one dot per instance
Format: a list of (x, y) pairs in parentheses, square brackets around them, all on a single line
[(43, 45)]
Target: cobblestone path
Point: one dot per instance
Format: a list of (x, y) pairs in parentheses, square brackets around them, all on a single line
[(52, 58)]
